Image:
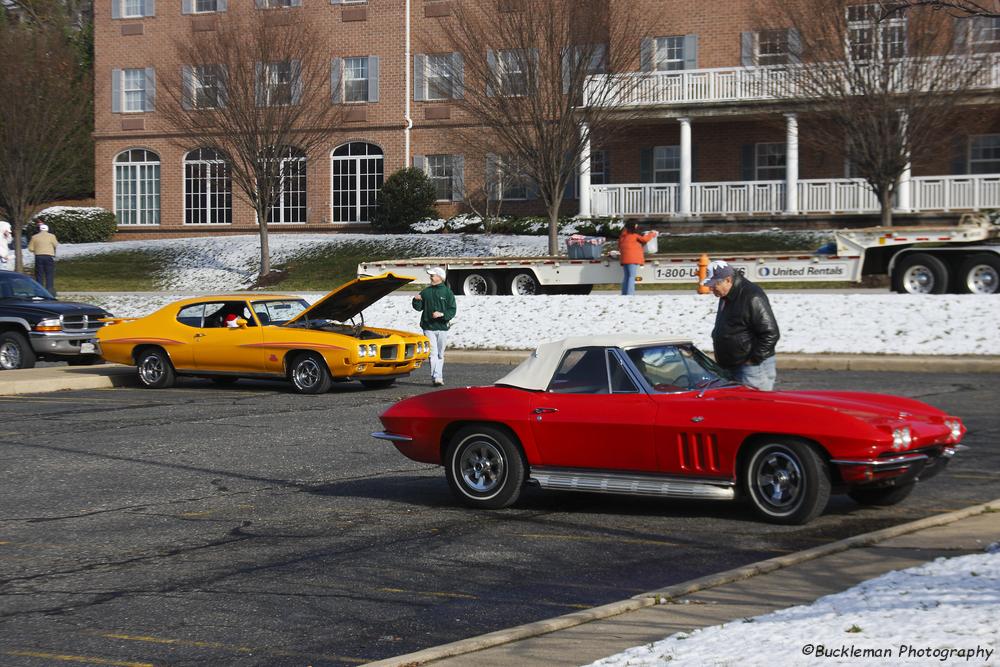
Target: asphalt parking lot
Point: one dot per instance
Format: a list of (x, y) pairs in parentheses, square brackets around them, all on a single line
[(253, 526)]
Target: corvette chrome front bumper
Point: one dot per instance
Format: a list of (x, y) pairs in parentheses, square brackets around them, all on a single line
[(896, 470)]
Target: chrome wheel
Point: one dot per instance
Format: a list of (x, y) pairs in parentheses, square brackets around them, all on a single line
[(309, 374), (306, 374), (787, 480), (10, 355), (779, 480), (919, 280), (982, 279), (482, 466), (152, 369)]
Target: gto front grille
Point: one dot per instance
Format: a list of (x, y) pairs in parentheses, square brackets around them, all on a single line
[(389, 352), (81, 322), (410, 350)]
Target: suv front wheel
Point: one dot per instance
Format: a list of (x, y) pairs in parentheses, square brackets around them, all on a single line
[(15, 351)]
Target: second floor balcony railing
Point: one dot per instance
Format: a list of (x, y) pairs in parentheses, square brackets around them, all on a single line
[(772, 83)]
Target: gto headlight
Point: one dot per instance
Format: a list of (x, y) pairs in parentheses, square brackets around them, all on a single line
[(362, 350), (425, 346), (372, 350), (49, 325), (901, 437)]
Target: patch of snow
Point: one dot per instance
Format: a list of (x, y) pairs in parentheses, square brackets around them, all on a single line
[(940, 613), (810, 323)]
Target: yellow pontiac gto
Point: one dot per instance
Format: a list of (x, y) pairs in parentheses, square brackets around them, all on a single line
[(268, 336)]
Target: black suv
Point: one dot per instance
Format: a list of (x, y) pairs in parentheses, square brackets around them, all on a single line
[(34, 325)]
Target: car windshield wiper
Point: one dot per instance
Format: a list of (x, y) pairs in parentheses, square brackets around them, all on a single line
[(705, 385)]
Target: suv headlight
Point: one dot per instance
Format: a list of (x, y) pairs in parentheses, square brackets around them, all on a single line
[(901, 437), (49, 325)]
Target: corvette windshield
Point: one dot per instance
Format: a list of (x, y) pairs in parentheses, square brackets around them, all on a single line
[(673, 368), (278, 311), (22, 287)]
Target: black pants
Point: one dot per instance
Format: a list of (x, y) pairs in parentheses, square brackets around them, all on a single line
[(45, 272)]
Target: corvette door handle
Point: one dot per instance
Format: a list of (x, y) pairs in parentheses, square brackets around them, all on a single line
[(542, 411)]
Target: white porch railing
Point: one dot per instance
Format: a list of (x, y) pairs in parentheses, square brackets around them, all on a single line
[(833, 195), (739, 84), (947, 193)]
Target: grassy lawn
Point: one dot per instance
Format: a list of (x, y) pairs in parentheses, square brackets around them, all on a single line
[(124, 271), (324, 268)]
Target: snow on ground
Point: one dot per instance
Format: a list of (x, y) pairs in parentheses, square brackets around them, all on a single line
[(232, 262), (940, 613), (810, 322)]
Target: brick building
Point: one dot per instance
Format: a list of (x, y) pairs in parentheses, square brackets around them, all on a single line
[(709, 140)]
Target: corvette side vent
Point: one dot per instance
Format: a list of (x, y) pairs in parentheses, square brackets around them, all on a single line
[(698, 451)]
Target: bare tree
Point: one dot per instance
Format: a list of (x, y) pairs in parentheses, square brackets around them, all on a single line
[(529, 91), (45, 120), (258, 90), (884, 88), (958, 8)]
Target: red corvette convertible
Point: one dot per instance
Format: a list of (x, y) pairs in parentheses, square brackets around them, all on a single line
[(656, 417)]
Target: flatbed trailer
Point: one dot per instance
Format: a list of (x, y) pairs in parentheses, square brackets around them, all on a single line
[(918, 260)]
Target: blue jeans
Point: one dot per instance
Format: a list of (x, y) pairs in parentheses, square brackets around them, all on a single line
[(628, 278), (760, 376), (439, 340)]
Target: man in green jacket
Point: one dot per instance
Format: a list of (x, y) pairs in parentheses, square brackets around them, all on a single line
[(437, 307)]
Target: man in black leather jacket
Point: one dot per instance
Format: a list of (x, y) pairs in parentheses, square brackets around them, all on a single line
[(745, 332)]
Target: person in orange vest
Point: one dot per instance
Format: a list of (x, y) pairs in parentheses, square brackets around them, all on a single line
[(631, 253)]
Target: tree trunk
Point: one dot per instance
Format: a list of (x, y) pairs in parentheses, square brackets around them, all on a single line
[(554, 229), (885, 202), (265, 248)]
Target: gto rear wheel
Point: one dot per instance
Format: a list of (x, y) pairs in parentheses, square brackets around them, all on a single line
[(484, 467), (154, 369), (787, 481), (309, 374)]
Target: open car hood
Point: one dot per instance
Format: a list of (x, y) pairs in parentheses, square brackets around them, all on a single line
[(351, 298)]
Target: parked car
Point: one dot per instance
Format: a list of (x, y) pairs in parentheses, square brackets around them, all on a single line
[(35, 325), (657, 417), (226, 337)]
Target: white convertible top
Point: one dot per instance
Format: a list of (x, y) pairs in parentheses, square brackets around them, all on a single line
[(536, 371)]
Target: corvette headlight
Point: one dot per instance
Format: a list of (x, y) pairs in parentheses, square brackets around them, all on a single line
[(372, 350), (362, 351), (956, 428), (901, 437), (49, 325)]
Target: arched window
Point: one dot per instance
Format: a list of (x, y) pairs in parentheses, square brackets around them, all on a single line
[(356, 178), (290, 206), (208, 188), (137, 187)]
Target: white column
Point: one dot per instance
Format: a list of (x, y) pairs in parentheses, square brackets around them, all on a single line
[(904, 196), (791, 164), (684, 205), (584, 185)]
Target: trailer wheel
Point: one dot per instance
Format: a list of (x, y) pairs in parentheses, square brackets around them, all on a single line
[(476, 283), (920, 273), (980, 274), (523, 283)]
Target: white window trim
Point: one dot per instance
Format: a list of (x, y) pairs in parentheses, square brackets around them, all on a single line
[(123, 92), (879, 30), (757, 55), (427, 77), (344, 80), (279, 203), (213, 211), (503, 74), (451, 177), (655, 171), (195, 10), (656, 53), (114, 188), (124, 10), (969, 161)]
